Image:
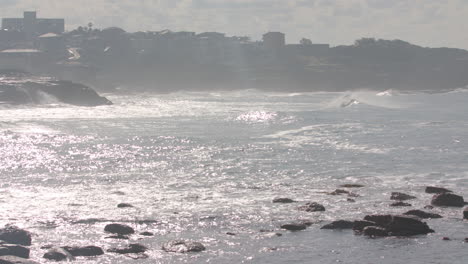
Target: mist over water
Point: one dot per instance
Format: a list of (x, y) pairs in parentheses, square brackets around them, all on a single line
[(199, 164)]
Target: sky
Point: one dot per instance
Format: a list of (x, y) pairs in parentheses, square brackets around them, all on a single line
[(431, 23)]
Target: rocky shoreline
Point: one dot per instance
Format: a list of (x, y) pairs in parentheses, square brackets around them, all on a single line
[(15, 242)]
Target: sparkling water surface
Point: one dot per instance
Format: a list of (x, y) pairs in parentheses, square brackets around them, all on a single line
[(197, 165)]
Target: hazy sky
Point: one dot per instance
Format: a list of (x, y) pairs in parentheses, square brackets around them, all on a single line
[(425, 22)]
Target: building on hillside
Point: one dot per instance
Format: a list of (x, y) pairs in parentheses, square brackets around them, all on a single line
[(33, 26)]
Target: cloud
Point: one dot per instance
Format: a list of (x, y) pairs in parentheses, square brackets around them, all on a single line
[(424, 22)]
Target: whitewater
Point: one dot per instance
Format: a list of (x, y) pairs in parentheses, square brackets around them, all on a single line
[(199, 165)]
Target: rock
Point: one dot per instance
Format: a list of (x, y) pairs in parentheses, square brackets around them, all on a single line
[(119, 229), (430, 189), (58, 254), (118, 237), (230, 234), (428, 207), (359, 225), (422, 214), (338, 192), (14, 235), (351, 185), (15, 260), (446, 238), (350, 200), (84, 251), (132, 248), (311, 207), (399, 204), (147, 234), (283, 200), (182, 246), (465, 213), (14, 250), (375, 231), (401, 196), (124, 205), (294, 226), (446, 199), (379, 220), (407, 226), (340, 224), (466, 239)]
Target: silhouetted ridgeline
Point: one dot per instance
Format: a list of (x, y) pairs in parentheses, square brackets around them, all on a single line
[(166, 61)]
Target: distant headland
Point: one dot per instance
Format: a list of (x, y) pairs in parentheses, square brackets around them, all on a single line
[(166, 61)]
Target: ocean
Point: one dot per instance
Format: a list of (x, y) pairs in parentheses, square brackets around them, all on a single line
[(199, 165)]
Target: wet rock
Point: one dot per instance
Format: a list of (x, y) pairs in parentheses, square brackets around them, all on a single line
[(283, 200), (14, 250), (375, 231), (379, 220), (147, 234), (132, 248), (350, 200), (359, 225), (340, 224), (351, 185), (84, 251), (119, 229), (422, 214), (429, 207), (407, 226), (311, 207), (118, 237), (182, 246), (15, 260), (124, 205), (15, 235), (338, 192), (446, 238), (447, 199), (58, 254), (400, 204), (401, 196), (465, 213), (230, 234), (294, 226), (431, 189)]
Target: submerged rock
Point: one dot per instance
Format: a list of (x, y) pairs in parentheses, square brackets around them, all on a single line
[(283, 200), (15, 260), (448, 199), (87, 251), (422, 214), (351, 185), (119, 229), (431, 189), (147, 233), (124, 205), (311, 207), (294, 226), (338, 192), (58, 254), (132, 248), (182, 246), (400, 204), (340, 224), (15, 235), (14, 250), (401, 196)]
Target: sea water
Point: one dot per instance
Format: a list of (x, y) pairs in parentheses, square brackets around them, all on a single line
[(197, 165)]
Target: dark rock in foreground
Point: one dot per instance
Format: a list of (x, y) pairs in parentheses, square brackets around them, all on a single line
[(422, 214), (431, 189), (58, 254), (14, 250), (396, 225), (375, 231), (15, 260), (340, 224), (84, 251), (15, 235), (294, 226), (182, 246), (311, 207), (359, 225), (283, 200), (399, 204), (132, 248), (119, 229), (379, 220), (447, 199), (401, 196)]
